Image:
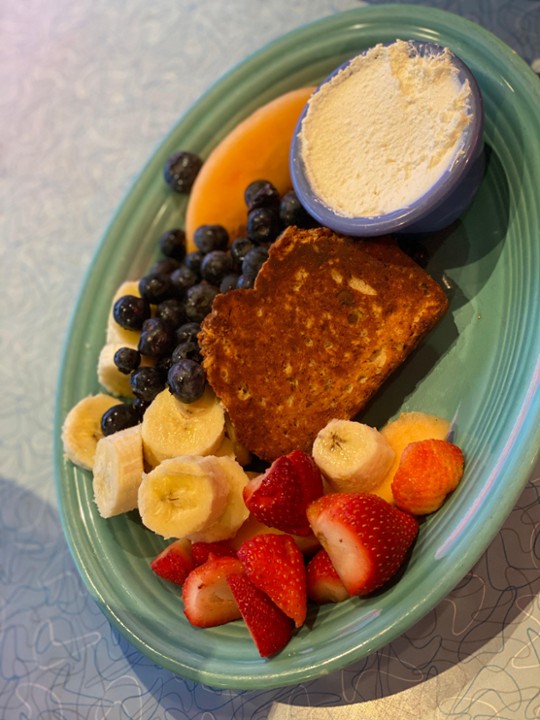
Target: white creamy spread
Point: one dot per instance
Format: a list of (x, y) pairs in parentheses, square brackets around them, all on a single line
[(378, 135)]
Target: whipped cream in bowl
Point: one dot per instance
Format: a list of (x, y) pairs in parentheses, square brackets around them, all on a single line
[(391, 141)]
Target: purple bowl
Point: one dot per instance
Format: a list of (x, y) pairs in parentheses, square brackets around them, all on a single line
[(439, 207)]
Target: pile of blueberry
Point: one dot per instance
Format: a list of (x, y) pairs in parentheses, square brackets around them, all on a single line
[(178, 291)]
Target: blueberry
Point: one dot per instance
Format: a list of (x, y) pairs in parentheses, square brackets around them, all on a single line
[(187, 349), (140, 406), (245, 282), (261, 193), (127, 359), (165, 266), (186, 380), (263, 224), (215, 265), (182, 279), (173, 244), (188, 331), (211, 237), (118, 417), (180, 170), (157, 338), (229, 282), (239, 247), (253, 261), (155, 287), (292, 212), (199, 299), (171, 311), (146, 383), (193, 261), (131, 311)]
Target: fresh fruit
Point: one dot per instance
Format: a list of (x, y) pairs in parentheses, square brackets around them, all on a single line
[(241, 453), (119, 417), (115, 332), (322, 581), (235, 511), (180, 170), (275, 565), (366, 538), (171, 428), (81, 430), (172, 244), (186, 380), (146, 383), (182, 496), (256, 148), (110, 376), (174, 562), (201, 551), (352, 456), (408, 427), (307, 544), (208, 600), (268, 626), (428, 471), (118, 472), (279, 497)]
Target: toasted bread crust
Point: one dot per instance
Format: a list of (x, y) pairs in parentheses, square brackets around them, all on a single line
[(328, 320)]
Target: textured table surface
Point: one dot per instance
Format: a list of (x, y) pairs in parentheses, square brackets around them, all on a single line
[(89, 88)]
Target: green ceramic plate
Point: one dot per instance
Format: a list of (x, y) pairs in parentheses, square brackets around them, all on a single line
[(482, 361)]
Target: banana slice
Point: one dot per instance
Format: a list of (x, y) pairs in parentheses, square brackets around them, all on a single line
[(109, 376), (118, 471), (182, 496), (171, 427), (115, 332), (352, 456), (235, 513), (82, 428), (241, 452)]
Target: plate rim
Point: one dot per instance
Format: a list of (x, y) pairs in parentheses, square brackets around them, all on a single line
[(369, 14)]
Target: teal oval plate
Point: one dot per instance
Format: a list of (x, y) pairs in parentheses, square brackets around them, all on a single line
[(481, 363)]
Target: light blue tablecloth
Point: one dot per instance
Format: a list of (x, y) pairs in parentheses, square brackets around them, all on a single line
[(88, 89)]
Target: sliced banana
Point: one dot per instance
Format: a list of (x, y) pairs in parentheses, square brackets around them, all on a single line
[(182, 496), (115, 332), (171, 427), (118, 471), (352, 456), (109, 376), (241, 453), (81, 430), (235, 513)]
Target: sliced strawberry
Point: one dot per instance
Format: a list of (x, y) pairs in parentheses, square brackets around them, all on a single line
[(201, 551), (175, 562), (428, 470), (279, 498), (269, 627), (323, 583), (275, 565), (208, 600), (366, 537)]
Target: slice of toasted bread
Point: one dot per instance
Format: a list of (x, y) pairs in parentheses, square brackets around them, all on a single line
[(328, 320)]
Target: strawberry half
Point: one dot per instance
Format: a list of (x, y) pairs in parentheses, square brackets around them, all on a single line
[(428, 470), (276, 566), (366, 538), (323, 583), (175, 562), (269, 627), (208, 600), (201, 551), (279, 498)]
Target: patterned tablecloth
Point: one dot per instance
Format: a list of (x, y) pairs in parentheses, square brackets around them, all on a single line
[(88, 89)]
